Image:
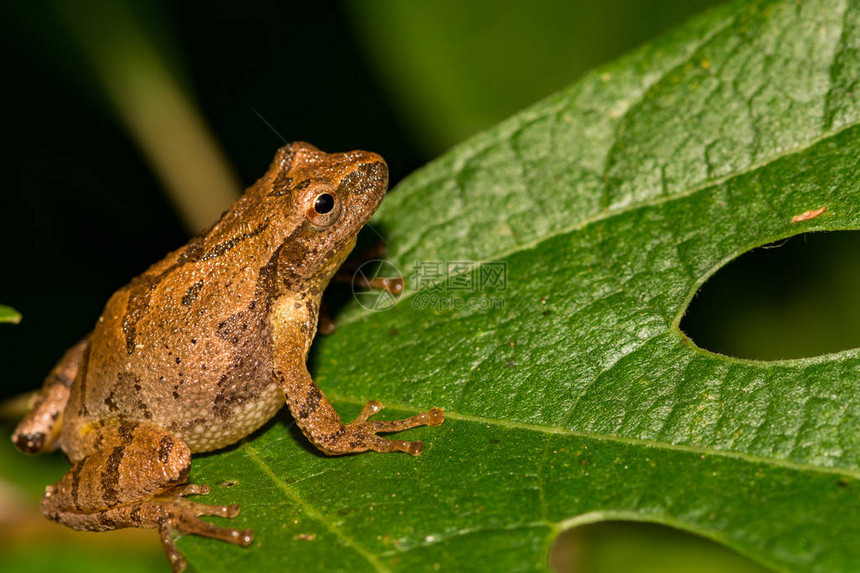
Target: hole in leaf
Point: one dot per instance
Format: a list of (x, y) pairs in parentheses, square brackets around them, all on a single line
[(792, 299), (613, 546)]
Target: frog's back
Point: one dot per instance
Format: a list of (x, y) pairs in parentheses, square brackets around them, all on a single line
[(187, 345)]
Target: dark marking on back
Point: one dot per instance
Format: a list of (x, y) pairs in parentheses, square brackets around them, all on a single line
[(110, 403), (234, 327), (291, 249), (142, 406), (266, 290), (281, 185), (223, 247), (141, 288), (250, 368), (126, 433), (191, 294)]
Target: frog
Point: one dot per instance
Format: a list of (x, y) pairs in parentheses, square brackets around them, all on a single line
[(204, 348)]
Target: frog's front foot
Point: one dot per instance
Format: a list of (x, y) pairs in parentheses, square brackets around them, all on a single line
[(362, 434), (176, 516)]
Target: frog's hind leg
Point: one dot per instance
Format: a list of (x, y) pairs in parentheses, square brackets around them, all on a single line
[(136, 477), (40, 428)]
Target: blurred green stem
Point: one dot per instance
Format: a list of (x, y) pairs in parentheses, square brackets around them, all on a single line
[(161, 118)]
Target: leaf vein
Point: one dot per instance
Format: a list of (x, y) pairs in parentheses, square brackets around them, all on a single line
[(625, 440), (311, 511)]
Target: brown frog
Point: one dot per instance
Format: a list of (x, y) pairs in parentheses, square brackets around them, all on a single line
[(203, 348)]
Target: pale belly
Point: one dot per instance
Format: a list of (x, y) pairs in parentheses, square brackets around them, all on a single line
[(207, 433)]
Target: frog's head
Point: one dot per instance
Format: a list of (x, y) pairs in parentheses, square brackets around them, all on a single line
[(327, 197)]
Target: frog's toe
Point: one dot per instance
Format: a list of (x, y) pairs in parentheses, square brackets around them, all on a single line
[(187, 522), (228, 511), (179, 516), (433, 417), (366, 432), (370, 409), (177, 561), (191, 489), (412, 448), (379, 444)]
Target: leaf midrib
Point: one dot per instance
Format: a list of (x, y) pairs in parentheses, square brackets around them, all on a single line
[(312, 512), (623, 440)]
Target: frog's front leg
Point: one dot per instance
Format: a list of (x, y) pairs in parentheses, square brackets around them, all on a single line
[(135, 476), (292, 331)]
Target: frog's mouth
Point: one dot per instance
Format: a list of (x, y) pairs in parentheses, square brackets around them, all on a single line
[(341, 255), (336, 260)]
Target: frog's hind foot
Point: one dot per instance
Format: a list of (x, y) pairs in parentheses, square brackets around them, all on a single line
[(364, 431), (178, 516)]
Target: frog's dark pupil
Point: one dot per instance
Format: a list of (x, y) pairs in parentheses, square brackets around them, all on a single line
[(324, 203)]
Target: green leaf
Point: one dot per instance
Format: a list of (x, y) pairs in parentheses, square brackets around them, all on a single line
[(9, 314), (579, 400)]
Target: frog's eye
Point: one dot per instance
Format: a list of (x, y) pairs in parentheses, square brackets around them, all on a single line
[(324, 210), (324, 203)]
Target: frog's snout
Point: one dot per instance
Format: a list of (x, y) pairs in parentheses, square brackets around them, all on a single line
[(375, 166)]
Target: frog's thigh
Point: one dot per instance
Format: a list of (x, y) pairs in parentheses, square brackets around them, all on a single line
[(127, 463), (133, 478)]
